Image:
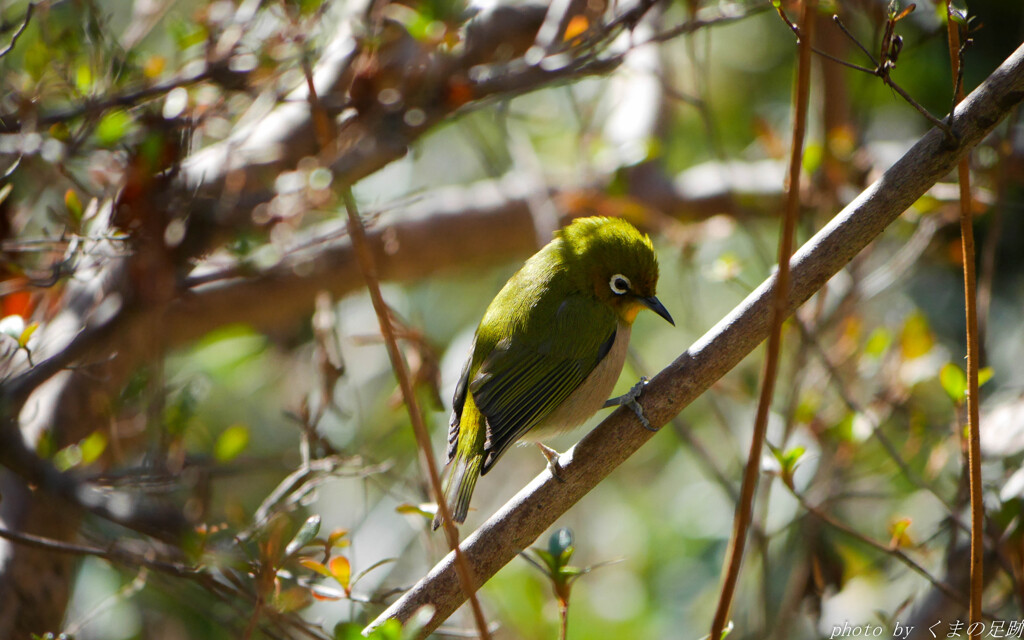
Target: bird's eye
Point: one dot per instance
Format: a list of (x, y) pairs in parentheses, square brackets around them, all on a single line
[(619, 284)]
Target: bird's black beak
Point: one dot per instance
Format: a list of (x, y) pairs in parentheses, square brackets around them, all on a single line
[(655, 305)]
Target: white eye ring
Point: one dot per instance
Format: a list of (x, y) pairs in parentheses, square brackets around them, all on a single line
[(619, 284)]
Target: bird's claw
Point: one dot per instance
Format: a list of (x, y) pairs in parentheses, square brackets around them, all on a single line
[(629, 399), (554, 464)]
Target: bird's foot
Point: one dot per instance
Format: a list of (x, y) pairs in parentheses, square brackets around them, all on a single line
[(629, 399), (554, 465)]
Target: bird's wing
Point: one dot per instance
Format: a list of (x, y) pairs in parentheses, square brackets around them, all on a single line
[(458, 402), (519, 383)]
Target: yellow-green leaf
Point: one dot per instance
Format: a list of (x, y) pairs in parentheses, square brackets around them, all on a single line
[(83, 78), (878, 342), (93, 447), (916, 337), (112, 128), (26, 334), (315, 566), (232, 442), (953, 381), (900, 537), (415, 510), (985, 374), (74, 205)]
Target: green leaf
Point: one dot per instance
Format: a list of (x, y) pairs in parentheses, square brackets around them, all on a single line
[(813, 156), (789, 459), (375, 565), (113, 128), (878, 342), (953, 381), (415, 510), (306, 533), (232, 442), (916, 337), (93, 447), (26, 334), (985, 374), (315, 566), (352, 631), (844, 428), (898, 529), (549, 561), (187, 34), (390, 630), (83, 78), (74, 205), (307, 7), (957, 15)]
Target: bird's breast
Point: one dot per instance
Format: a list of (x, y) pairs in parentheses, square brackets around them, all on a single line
[(590, 396)]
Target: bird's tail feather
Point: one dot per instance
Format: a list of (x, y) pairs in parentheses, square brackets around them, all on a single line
[(459, 488)]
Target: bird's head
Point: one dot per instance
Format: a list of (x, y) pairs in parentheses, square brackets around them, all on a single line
[(612, 259)]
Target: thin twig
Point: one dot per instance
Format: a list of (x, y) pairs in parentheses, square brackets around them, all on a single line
[(752, 471), (876, 427), (899, 554), (117, 556), (365, 258), (920, 109), (690, 26), (119, 596), (882, 70), (839, 23), (21, 30), (971, 311), (12, 122)]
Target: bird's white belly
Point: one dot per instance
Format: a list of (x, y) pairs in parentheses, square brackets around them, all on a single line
[(590, 396)]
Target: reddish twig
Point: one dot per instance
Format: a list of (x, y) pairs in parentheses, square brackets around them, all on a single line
[(971, 311), (364, 257), (745, 507)]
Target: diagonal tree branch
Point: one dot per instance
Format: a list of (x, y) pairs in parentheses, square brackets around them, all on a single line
[(536, 507)]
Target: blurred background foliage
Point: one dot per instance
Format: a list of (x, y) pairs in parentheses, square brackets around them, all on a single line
[(688, 142)]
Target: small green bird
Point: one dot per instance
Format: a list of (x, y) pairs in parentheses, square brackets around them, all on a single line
[(550, 347)]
